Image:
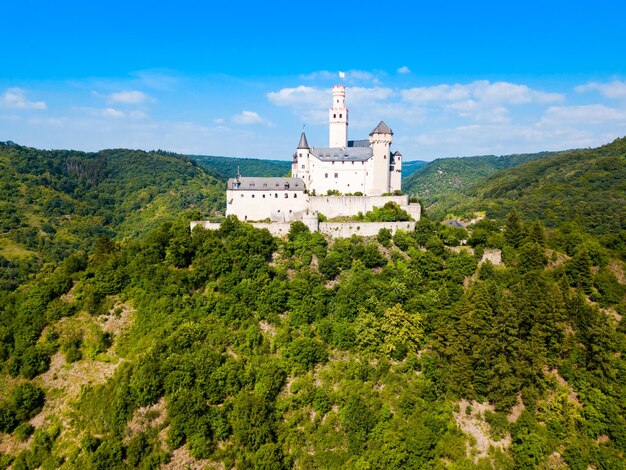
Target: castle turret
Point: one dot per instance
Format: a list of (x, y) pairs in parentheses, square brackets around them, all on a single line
[(300, 167), (380, 142), (338, 118), (395, 172)]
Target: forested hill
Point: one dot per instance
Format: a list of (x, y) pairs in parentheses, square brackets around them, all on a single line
[(586, 188), (53, 203), (408, 168), (227, 167), (448, 177)]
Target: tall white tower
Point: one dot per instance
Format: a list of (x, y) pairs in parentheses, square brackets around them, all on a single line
[(380, 142), (338, 118)]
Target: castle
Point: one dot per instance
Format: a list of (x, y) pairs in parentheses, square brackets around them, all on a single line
[(343, 179), (365, 172)]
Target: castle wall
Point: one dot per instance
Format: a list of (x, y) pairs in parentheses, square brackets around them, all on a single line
[(332, 229), (342, 176), (337, 206), (277, 205), (363, 229)]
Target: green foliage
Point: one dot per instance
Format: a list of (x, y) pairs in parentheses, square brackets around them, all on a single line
[(448, 180), (304, 352)]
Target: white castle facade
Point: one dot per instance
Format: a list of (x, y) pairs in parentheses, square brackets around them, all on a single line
[(343, 179)]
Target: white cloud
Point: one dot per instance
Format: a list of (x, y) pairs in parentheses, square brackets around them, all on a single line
[(614, 90), (218, 120), (299, 96), (112, 113), (482, 91), (404, 70), (15, 98), (584, 115), (128, 97), (247, 118), (138, 114)]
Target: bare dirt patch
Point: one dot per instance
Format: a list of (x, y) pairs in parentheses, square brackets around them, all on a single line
[(617, 268), (182, 459), (475, 426), (561, 259), (266, 328), (493, 255), (9, 445), (64, 382), (118, 318), (146, 417), (516, 411)]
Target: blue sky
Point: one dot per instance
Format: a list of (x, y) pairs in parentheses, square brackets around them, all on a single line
[(240, 79)]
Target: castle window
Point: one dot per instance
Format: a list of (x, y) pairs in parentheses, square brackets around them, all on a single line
[(339, 116), (334, 116), (275, 194), (253, 196), (242, 195), (336, 175), (303, 167), (264, 196), (295, 194), (265, 185), (325, 176), (286, 195), (353, 162)]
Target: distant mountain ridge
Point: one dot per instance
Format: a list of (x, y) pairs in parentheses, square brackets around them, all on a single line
[(447, 176), (584, 187), (227, 167)]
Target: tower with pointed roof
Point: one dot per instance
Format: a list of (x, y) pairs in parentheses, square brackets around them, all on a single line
[(360, 171), (380, 142), (363, 167)]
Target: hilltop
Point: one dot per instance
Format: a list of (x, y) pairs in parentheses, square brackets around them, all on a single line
[(444, 178), (586, 188), (54, 203)]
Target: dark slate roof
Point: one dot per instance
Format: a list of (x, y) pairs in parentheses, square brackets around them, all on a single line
[(348, 154), (253, 183), (359, 143), (397, 153), (382, 128), (303, 142)]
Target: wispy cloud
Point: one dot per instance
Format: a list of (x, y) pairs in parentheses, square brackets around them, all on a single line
[(15, 98), (403, 70), (614, 90), (246, 118), (482, 91), (128, 97)]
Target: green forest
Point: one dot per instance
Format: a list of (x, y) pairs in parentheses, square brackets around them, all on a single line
[(127, 341)]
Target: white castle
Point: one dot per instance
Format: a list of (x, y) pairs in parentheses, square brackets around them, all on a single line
[(343, 179), (349, 166)]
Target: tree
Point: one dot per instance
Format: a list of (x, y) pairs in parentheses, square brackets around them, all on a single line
[(401, 328), (513, 229), (252, 421)]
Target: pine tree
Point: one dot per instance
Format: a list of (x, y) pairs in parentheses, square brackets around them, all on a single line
[(513, 229)]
